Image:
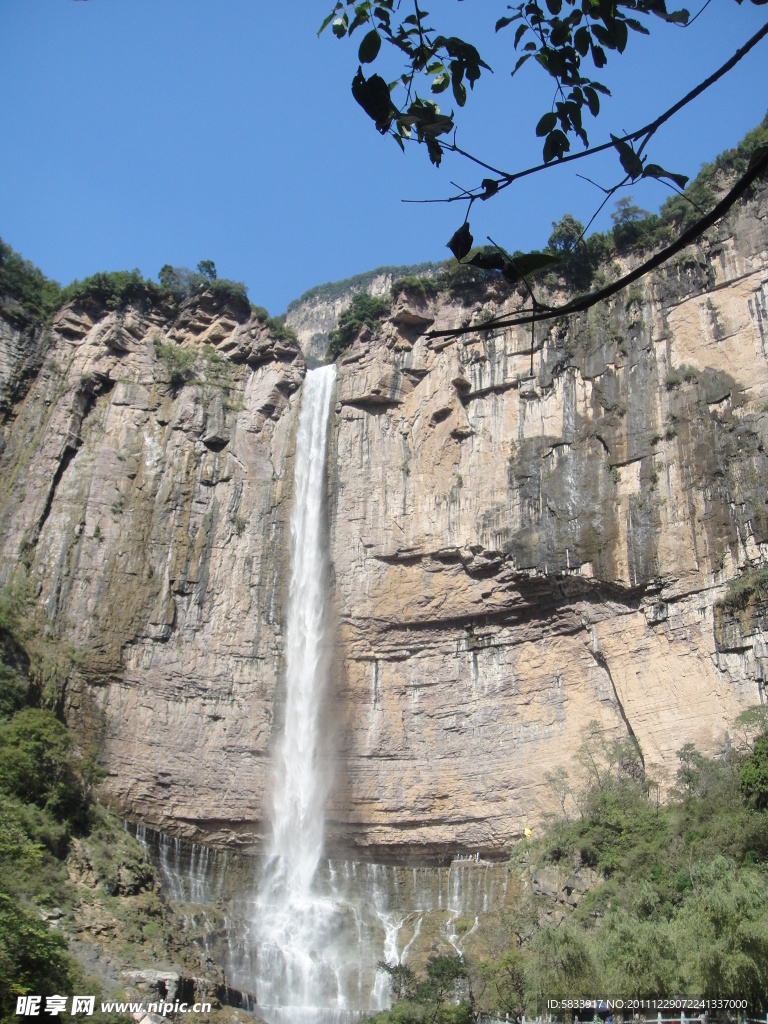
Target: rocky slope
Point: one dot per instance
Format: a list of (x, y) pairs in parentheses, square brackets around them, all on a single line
[(514, 554)]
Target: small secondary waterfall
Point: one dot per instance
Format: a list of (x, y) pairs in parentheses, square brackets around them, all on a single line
[(374, 912), (294, 925)]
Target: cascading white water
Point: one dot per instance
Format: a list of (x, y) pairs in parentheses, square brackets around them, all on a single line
[(371, 912), (293, 924), (308, 946)]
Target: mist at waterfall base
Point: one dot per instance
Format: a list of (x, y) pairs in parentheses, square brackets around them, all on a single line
[(302, 934), (380, 912)]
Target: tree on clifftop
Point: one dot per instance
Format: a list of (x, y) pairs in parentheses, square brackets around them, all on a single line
[(571, 41)]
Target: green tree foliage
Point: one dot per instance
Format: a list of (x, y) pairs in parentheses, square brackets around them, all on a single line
[(44, 801), (721, 933), (365, 311), (25, 285), (179, 283), (571, 41), (112, 289), (33, 959), (560, 37), (36, 764), (628, 219), (680, 899), (207, 269), (436, 997), (579, 258), (561, 962), (15, 601), (753, 777)]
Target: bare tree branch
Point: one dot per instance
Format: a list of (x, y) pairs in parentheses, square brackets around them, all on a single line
[(505, 179), (758, 168)]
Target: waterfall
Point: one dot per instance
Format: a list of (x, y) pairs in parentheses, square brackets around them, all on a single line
[(370, 912), (293, 924), (308, 945)]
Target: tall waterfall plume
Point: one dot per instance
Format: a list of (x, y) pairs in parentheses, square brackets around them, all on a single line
[(298, 975)]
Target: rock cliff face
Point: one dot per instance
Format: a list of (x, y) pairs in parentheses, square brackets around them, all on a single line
[(514, 554), (313, 316), (147, 498)]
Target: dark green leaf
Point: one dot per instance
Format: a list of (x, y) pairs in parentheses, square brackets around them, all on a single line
[(490, 188), (461, 241), (532, 262), (369, 48), (637, 26), (546, 124), (604, 36), (329, 19), (434, 149), (581, 40), (488, 261), (441, 83), (655, 171), (560, 34), (459, 90), (556, 145), (373, 96), (521, 30), (340, 27), (598, 56), (593, 101), (503, 22), (361, 17), (520, 62), (554, 6), (630, 161), (621, 36)]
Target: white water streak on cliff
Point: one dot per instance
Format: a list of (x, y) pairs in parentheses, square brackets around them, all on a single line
[(292, 922)]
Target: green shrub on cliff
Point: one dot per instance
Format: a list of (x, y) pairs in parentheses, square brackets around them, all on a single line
[(178, 361), (365, 311), (46, 814), (24, 284), (753, 777), (744, 590), (112, 289)]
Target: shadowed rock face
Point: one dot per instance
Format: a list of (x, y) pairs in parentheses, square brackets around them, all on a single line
[(514, 555)]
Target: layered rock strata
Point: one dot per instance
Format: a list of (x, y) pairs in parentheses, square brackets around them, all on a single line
[(518, 554), (515, 554), (144, 489)]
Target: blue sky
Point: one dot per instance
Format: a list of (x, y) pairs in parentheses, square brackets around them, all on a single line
[(142, 132)]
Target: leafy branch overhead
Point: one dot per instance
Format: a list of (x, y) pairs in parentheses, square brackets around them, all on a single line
[(571, 40), (567, 39)]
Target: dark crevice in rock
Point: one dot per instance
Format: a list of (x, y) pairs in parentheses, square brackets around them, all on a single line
[(85, 398), (601, 661), (68, 454), (374, 405)]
